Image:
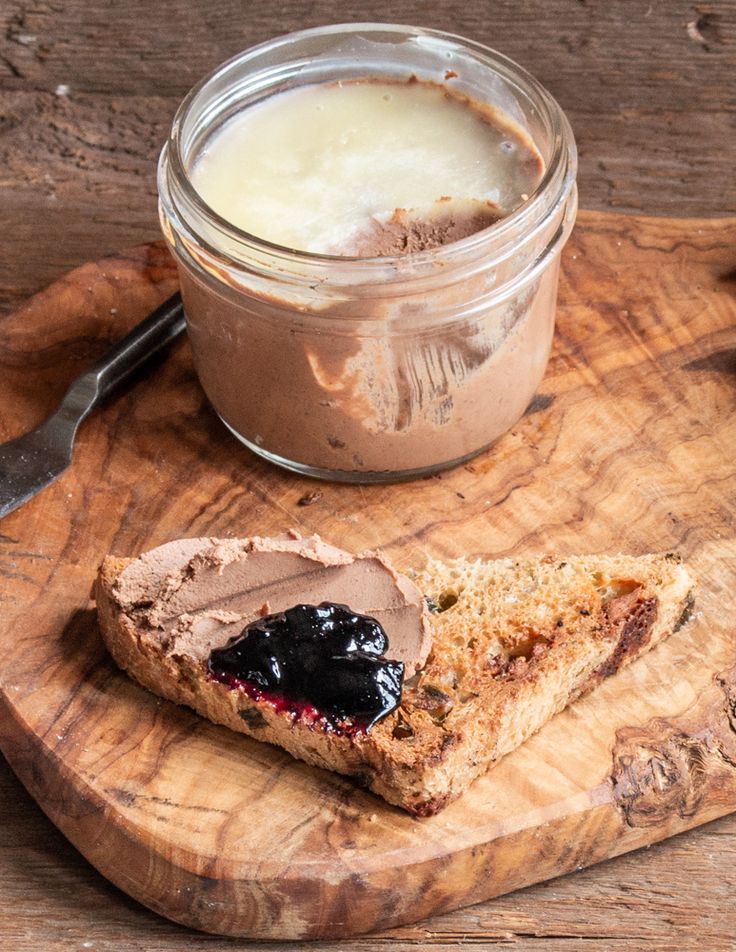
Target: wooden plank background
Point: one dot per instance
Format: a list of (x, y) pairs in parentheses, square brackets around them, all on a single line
[(87, 91)]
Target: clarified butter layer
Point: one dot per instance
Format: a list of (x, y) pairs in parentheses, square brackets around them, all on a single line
[(366, 168)]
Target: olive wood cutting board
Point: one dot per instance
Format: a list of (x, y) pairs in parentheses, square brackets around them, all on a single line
[(629, 446)]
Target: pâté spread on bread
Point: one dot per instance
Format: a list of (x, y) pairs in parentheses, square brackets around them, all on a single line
[(412, 686), (267, 616)]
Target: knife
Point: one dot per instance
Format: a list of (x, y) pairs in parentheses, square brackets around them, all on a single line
[(32, 462)]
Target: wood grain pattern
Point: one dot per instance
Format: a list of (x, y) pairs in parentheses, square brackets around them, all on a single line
[(624, 448), (675, 896), (653, 113), (88, 89)]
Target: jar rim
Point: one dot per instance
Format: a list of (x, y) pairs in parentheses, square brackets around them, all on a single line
[(561, 164)]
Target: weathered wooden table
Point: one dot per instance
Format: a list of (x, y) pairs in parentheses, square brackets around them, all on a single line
[(87, 90)]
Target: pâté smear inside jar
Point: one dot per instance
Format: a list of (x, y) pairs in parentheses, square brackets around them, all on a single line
[(367, 221)]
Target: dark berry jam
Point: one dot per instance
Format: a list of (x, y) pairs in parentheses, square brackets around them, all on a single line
[(319, 662)]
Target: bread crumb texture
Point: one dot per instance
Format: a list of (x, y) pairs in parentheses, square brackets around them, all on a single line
[(515, 640)]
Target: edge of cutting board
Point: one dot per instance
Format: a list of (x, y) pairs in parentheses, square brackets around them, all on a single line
[(625, 448)]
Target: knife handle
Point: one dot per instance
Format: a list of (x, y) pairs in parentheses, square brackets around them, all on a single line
[(154, 333)]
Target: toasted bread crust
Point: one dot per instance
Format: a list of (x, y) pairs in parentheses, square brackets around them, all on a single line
[(521, 641)]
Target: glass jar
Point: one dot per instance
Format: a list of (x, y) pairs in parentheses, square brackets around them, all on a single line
[(369, 369)]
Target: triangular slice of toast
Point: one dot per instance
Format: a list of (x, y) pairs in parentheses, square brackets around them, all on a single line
[(514, 642)]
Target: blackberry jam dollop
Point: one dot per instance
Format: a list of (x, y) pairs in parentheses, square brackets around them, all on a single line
[(319, 661)]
